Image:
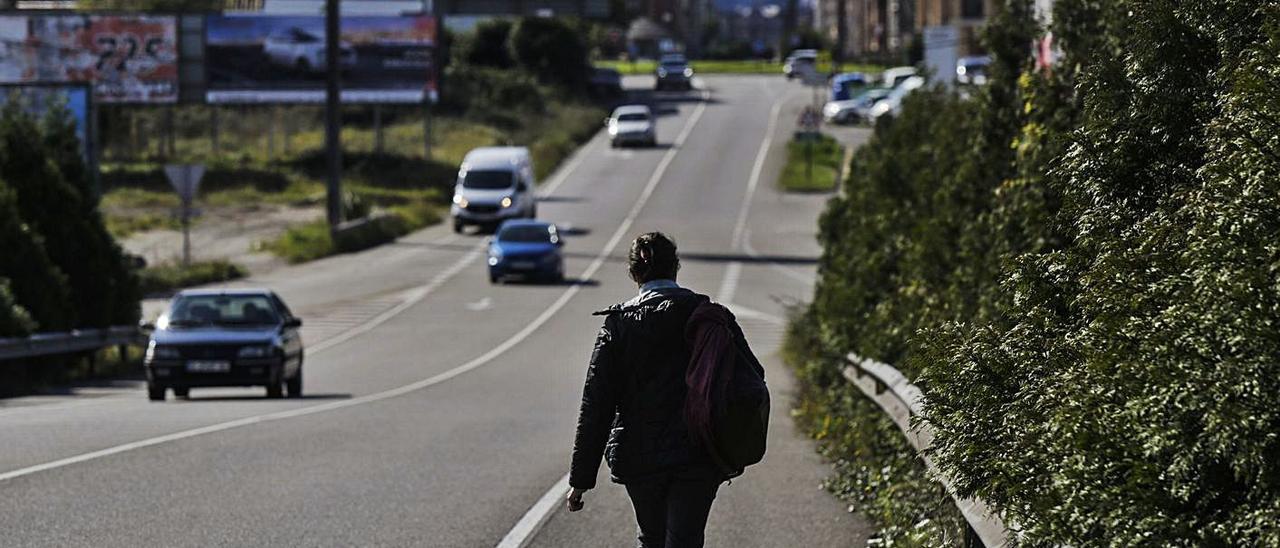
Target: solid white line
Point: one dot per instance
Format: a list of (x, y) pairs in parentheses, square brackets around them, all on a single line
[(386, 394), (536, 517), (729, 285), (528, 526)]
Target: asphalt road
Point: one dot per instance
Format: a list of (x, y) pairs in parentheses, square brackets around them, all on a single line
[(441, 408)]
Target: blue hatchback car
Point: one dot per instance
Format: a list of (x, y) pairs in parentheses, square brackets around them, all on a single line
[(527, 248)]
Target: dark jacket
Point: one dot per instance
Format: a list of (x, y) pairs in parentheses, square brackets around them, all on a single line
[(633, 400)]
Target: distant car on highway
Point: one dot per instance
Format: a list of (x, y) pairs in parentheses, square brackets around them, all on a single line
[(856, 109), (799, 61), (225, 337), (526, 248), (890, 78), (673, 72), (845, 86), (606, 82), (494, 184), (631, 124), (300, 50), (972, 70), (892, 104)]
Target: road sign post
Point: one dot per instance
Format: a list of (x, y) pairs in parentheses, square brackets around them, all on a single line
[(185, 179)]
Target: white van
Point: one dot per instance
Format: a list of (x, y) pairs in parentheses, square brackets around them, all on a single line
[(494, 184)]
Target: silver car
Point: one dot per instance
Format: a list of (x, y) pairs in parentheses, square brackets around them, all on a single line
[(494, 184), (632, 124)]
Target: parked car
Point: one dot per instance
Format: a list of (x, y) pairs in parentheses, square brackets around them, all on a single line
[(845, 86), (856, 109), (224, 337), (606, 82), (799, 60), (673, 72), (494, 184), (892, 104), (890, 78), (972, 70), (300, 50), (631, 124), (530, 249)]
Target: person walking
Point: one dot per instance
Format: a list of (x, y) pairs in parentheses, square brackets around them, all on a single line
[(633, 411)]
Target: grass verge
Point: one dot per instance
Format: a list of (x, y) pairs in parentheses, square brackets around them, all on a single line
[(166, 278), (312, 240), (826, 155), (874, 469)]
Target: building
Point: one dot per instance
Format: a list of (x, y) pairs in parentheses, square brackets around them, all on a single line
[(883, 30)]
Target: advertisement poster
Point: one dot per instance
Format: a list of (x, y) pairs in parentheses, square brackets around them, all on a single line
[(39, 99), (281, 59), (125, 58)]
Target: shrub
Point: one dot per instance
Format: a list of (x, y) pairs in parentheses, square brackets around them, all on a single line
[(1090, 311), (15, 321), (165, 278), (826, 155)]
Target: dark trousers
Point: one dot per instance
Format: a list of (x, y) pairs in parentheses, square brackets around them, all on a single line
[(672, 510)]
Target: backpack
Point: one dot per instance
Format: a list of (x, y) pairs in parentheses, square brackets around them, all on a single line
[(727, 403)]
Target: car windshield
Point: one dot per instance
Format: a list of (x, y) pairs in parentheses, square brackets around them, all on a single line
[(197, 310), (633, 117), (487, 179), (528, 234), (673, 65)]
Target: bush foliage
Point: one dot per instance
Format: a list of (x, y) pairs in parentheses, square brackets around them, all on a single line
[(63, 267), (1080, 268)]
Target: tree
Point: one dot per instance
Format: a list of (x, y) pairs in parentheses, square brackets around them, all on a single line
[(489, 45), (100, 282), (37, 287), (551, 50)]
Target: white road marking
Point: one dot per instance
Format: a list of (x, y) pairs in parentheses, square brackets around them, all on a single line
[(536, 517), (528, 526), (419, 293), (482, 304), (729, 285)]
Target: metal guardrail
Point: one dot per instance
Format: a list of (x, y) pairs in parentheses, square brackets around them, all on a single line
[(900, 400), (80, 340)]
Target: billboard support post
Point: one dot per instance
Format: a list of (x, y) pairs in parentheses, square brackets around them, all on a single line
[(426, 130), (377, 129), (332, 129)]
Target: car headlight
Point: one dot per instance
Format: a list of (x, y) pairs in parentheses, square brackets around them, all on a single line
[(506, 202), (613, 129), (260, 351), (458, 199), (155, 352), (688, 73), (662, 73)]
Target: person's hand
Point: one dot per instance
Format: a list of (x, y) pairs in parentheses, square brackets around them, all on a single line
[(574, 500)]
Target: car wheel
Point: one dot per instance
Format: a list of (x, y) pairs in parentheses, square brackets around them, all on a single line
[(182, 391), (275, 386), (457, 227), (493, 279), (155, 393), (533, 212), (294, 386)]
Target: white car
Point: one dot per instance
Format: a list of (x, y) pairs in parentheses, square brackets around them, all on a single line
[(890, 78), (494, 184), (632, 124), (300, 50), (800, 61), (855, 109), (892, 105)]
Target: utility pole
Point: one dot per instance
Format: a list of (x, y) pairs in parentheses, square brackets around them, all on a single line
[(332, 113), (842, 36)]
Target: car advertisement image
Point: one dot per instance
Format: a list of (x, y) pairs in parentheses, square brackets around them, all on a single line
[(126, 58), (281, 59)]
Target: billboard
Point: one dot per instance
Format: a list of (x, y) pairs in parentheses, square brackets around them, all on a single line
[(255, 58), (39, 99), (125, 58)]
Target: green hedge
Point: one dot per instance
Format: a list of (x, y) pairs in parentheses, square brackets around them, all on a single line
[(165, 278), (1079, 268)]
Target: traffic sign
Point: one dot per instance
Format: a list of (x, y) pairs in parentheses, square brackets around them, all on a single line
[(185, 179)]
